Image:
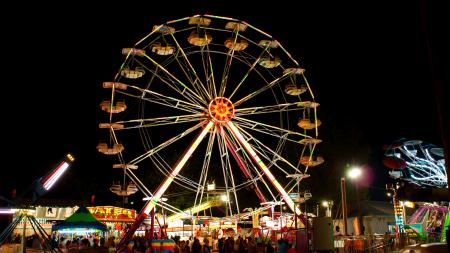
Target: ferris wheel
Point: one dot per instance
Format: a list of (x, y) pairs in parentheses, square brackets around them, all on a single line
[(212, 99)]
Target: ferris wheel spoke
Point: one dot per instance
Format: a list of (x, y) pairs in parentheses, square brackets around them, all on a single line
[(181, 162), (262, 149), (159, 121), (172, 82), (249, 71), (185, 69), (209, 71), (287, 107), (262, 89), (226, 70), (205, 168), (165, 144), (224, 170), (197, 82), (178, 81), (143, 189), (192, 79), (229, 167), (163, 166), (261, 165), (165, 169), (234, 148), (147, 192), (138, 182), (161, 99), (269, 129), (227, 172)]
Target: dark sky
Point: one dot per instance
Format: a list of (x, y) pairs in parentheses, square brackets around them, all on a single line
[(366, 62)]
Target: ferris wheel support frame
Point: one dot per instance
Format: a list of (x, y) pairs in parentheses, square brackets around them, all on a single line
[(263, 167), (243, 168), (163, 187)]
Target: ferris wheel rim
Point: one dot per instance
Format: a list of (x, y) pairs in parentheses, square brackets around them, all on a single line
[(259, 146)]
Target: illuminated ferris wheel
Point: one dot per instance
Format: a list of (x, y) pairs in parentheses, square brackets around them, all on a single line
[(212, 99)]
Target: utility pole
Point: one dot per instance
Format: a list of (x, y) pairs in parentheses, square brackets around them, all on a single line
[(344, 204)]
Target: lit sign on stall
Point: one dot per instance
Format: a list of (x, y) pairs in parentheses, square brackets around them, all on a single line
[(111, 213), (414, 230)]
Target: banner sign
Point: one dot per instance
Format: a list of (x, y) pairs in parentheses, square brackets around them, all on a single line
[(112, 214), (414, 230)]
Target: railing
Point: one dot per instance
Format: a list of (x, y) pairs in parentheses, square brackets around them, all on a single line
[(373, 243), (367, 243)]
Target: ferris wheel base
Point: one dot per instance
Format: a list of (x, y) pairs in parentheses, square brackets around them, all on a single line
[(130, 232)]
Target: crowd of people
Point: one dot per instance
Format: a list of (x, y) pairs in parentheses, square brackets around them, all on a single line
[(234, 245), (139, 244), (222, 245)]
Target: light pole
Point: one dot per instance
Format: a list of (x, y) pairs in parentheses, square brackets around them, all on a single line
[(224, 198), (344, 204), (354, 174), (328, 204), (211, 187)]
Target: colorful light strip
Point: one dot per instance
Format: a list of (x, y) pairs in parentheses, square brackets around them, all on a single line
[(193, 210), (56, 174), (7, 211), (261, 164), (151, 204), (74, 231)]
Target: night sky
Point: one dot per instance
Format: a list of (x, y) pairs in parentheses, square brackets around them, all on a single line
[(365, 60)]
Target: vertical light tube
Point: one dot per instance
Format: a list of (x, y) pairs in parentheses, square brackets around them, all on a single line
[(261, 164), (55, 175)]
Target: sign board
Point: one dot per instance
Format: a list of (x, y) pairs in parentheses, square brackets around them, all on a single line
[(113, 214), (414, 230)]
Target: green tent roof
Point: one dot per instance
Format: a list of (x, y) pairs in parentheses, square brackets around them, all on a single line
[(81, 219)]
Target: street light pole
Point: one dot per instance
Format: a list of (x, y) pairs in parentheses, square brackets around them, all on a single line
[(359, 210), (344, 204), (328, 204), (354, 173)]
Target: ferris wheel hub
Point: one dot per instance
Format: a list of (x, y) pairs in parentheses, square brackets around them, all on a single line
[(221, 110)]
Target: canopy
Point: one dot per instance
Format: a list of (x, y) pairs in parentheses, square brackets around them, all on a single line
[(81, 219)]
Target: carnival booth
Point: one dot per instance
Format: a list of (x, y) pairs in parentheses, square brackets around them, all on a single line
[(116, 219), (429, 223), (80, 222)]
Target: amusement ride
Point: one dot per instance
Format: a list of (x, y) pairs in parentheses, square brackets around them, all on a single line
[(217, 94), (416, 162), (421, 165)]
